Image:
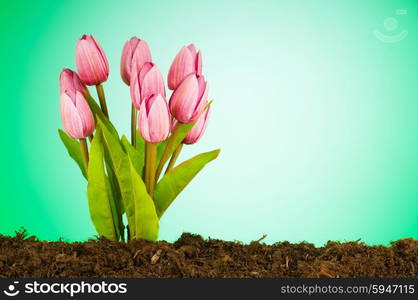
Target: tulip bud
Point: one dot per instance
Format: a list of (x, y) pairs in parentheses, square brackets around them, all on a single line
[(70, 82), (145, 83), (77, 118), (91, 61), (135, 54), (198, 129), (189, 99), (154, 120), (186, 62)]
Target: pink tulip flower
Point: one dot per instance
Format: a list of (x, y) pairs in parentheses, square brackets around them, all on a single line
[(188, 61), (154, 119), (198, 129), (77, 118), (189, 99), (91, 61), (135, 54), (70, 82), (145, 83)]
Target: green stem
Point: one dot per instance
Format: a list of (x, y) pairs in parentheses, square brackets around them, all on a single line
[(144, 171), (133, 125), (174, 158), (102, 99), (151, 162), (85, 153), (168, 149)]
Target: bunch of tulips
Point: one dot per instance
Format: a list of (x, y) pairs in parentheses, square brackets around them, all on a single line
[(137, 177)]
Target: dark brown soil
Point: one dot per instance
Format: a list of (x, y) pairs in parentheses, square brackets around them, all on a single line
[(191, 256)]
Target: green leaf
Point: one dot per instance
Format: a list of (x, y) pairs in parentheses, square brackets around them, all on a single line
[(74, 150), (136, 156), (98, 115), (139, 206), (114, 197), (119, 163), (117, 197), (140, 143), (167, 148), (146, 219), (99, 192), (178, 178), (181, 130)]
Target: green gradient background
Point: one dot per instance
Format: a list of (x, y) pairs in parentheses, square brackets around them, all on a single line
[(317, 119)]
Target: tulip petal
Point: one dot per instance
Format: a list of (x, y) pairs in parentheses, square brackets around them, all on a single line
[(85, 114), (71, 120), (143, 122), (182, 66), (91, 61), (202, 98), (192, 49), (67, 83), (197, 57), (198, 129), (183, 101), (141, 55), (135, 90), (199, 63), (102, 54), (144, 70), (202, 86), (126, 59), (152, 82), (159, 120), (149, 102), (70, 82)]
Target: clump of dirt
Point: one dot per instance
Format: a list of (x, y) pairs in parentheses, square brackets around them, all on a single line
[(192, 256)]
